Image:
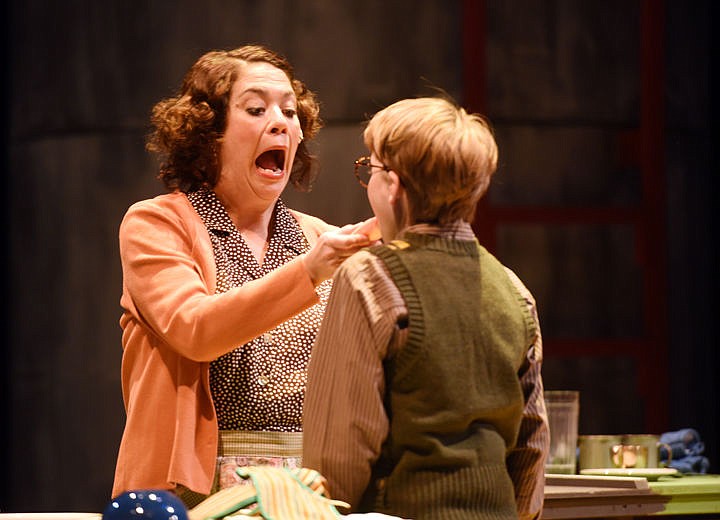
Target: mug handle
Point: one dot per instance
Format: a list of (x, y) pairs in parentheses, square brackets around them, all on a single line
[(669, 452)]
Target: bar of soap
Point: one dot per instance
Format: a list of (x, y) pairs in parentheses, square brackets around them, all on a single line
[(370, 228)]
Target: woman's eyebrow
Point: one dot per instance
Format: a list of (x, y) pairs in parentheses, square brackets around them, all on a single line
[(263, 92)]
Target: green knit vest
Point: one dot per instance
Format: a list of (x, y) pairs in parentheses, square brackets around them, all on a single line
[(454, 398)]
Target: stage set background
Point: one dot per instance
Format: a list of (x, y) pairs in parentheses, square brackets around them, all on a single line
[(567, 86)]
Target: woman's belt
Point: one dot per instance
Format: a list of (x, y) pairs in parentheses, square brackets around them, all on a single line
[(237, 443)]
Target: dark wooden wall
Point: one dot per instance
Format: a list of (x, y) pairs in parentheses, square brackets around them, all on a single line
[(562, 82)]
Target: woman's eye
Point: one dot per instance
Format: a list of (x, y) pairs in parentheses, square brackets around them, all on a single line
[(255, 111), (289, 112)]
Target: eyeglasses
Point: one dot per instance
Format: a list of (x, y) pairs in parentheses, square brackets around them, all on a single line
[(363, 170)]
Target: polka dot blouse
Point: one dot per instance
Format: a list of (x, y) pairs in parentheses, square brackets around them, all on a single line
[(260, 386)]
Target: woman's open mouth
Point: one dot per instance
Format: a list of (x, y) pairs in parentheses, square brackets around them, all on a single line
[(271, 162)]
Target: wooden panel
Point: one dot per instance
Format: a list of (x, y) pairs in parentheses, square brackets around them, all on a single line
[(553, 94)]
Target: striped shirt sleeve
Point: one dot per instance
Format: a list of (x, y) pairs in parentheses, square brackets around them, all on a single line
[(343, 435), (526, 461)]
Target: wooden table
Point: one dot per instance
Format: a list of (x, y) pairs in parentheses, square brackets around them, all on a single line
[(579, 496)]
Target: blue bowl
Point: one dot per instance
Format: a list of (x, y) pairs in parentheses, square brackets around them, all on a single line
[(155, 504)]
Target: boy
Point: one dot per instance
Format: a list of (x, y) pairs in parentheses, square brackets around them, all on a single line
[(424, 396)]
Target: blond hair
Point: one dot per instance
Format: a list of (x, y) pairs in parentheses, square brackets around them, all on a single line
[(444, 156)]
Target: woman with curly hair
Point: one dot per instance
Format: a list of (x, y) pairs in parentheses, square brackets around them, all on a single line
[(224, 287)]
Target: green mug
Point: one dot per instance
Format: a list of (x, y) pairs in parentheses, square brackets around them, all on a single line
[(653, 445), (629, 456), (594, 451)]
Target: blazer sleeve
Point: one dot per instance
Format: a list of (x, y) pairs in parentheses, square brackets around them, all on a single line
[(169, 284)]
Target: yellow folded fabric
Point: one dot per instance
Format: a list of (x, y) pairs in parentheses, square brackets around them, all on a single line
[(272, 494), (223, 503), (288, 495)]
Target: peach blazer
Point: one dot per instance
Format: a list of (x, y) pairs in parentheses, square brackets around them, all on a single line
[(173, 324)]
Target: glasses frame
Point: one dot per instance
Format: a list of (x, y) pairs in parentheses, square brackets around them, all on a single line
[(364, 161)]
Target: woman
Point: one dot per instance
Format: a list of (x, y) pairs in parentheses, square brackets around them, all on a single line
[(438, 411), (223, 286)]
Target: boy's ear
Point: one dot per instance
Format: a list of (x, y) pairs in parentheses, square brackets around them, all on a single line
[(396, 188)]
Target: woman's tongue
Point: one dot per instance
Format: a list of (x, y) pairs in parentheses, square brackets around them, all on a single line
[(269, 161)]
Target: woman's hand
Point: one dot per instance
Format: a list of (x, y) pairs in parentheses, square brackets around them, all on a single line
[(333, 247)]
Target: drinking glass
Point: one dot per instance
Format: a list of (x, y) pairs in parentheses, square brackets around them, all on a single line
[(563, 407)]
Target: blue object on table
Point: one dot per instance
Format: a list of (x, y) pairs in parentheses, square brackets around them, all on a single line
[(687, 448), (155, 504)]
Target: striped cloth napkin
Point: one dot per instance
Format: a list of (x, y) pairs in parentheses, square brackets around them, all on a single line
[(272, 494)]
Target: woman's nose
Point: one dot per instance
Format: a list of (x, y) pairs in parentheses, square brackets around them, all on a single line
[(278, 124)]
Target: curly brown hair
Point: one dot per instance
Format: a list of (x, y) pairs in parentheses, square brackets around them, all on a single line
[(187, 128)]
